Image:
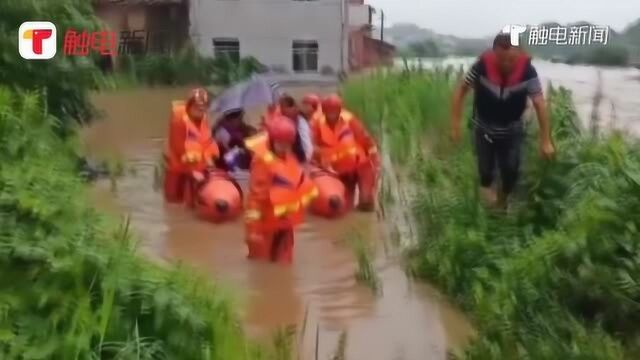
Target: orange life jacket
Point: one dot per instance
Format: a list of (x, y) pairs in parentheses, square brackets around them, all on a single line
[(337, 146), (198, 145), (291, 190)]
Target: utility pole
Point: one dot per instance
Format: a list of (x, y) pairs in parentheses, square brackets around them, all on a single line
[(381, 25)]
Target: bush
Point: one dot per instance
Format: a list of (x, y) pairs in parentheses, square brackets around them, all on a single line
[(557, 277), (187, 68), (72, 285), (66, 80)]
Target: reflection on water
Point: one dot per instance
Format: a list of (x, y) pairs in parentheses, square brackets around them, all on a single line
[(620, 106), (408, 320)]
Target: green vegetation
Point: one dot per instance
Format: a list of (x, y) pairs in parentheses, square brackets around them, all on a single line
[(558, 277), (72, 285), (423, 49), (185, 68), (66, 80), (366, 272)]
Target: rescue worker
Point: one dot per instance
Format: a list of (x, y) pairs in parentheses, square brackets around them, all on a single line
[(230, 132), (311, 107), (279, 191), (344, 146), (191, 150), (303, 145), (503, 78)]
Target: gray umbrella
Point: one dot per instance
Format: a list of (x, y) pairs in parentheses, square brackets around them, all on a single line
[(256, 91)]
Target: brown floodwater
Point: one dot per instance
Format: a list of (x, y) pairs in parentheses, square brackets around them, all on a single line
[(408, 320)]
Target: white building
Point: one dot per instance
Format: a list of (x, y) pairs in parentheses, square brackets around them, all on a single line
[(289, 36)]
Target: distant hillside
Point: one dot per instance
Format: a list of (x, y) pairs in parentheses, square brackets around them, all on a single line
[(621, 48), (404, 36)]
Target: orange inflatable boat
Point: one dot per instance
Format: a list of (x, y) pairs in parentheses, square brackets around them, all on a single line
[(220, 198), (331, 200)]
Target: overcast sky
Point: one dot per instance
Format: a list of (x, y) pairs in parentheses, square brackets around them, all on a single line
[(478, 18)]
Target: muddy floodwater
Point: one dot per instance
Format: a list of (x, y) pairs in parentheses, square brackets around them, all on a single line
[(409, 320)]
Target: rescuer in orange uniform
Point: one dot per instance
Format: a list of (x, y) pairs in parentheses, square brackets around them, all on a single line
[(279, 192), (342, 144), (191, 149)]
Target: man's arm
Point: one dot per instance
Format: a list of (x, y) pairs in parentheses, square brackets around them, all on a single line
[(457, 101), (534, 89)]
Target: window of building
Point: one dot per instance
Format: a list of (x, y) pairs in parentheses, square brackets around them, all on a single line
[(305, 55), (227, 47)]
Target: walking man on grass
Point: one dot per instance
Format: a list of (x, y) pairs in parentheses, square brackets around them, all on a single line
[(502, 78)]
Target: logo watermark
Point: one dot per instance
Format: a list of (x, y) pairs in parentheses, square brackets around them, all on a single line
[(37, 40), (574, 35)]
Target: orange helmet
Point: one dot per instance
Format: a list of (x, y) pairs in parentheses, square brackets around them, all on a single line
[(311, 99), (198, 96), (332, 104), (281, 129)]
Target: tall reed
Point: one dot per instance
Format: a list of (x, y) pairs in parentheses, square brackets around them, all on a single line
[(558, 277)]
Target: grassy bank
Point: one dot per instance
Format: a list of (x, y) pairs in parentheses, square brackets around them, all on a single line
[(72, 285), (557, 277)]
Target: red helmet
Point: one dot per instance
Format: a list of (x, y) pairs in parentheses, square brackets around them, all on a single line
[(281, 129), (311, 99), (332, 103), (198, 96)]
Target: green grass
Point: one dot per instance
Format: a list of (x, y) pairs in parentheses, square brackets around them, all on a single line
[(557, 278), (72, 285), (366, 272)]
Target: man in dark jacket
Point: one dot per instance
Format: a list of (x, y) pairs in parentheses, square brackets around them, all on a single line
[(503, 79)]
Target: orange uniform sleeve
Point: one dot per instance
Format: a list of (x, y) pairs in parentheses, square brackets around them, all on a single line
[(259, 184), (177, 137), (362, 136)]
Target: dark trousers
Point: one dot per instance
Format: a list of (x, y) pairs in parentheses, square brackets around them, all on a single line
[(501, 151)]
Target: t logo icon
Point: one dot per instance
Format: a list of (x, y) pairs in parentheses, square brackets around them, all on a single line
[(514, 31), (37, 40)]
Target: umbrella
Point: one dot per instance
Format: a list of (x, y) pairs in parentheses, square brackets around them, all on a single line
[(255, 91)]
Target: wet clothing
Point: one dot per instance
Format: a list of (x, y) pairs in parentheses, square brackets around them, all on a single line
[(499, 104), (303, 146), (501, 152), (349, 150), (230, 139), (498, 107), (190, 148), (279, 192)]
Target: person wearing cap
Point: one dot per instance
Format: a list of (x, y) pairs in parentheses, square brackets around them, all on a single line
[(190, 149), (344, 146), (279, 192), (230, 132), (503, 79)]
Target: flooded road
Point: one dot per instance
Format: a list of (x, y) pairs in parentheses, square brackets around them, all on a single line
[(409, 321)]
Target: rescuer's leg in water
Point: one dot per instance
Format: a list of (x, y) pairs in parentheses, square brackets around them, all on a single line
[(190, 149), (279, 192)]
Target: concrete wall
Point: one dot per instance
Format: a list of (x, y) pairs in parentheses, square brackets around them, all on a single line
[(358, 15), (267, 28)]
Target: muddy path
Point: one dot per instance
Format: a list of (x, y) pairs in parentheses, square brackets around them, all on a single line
[(407, 321)]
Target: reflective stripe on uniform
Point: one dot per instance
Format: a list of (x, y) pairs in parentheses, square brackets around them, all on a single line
[(252, 215), (305, 199)]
